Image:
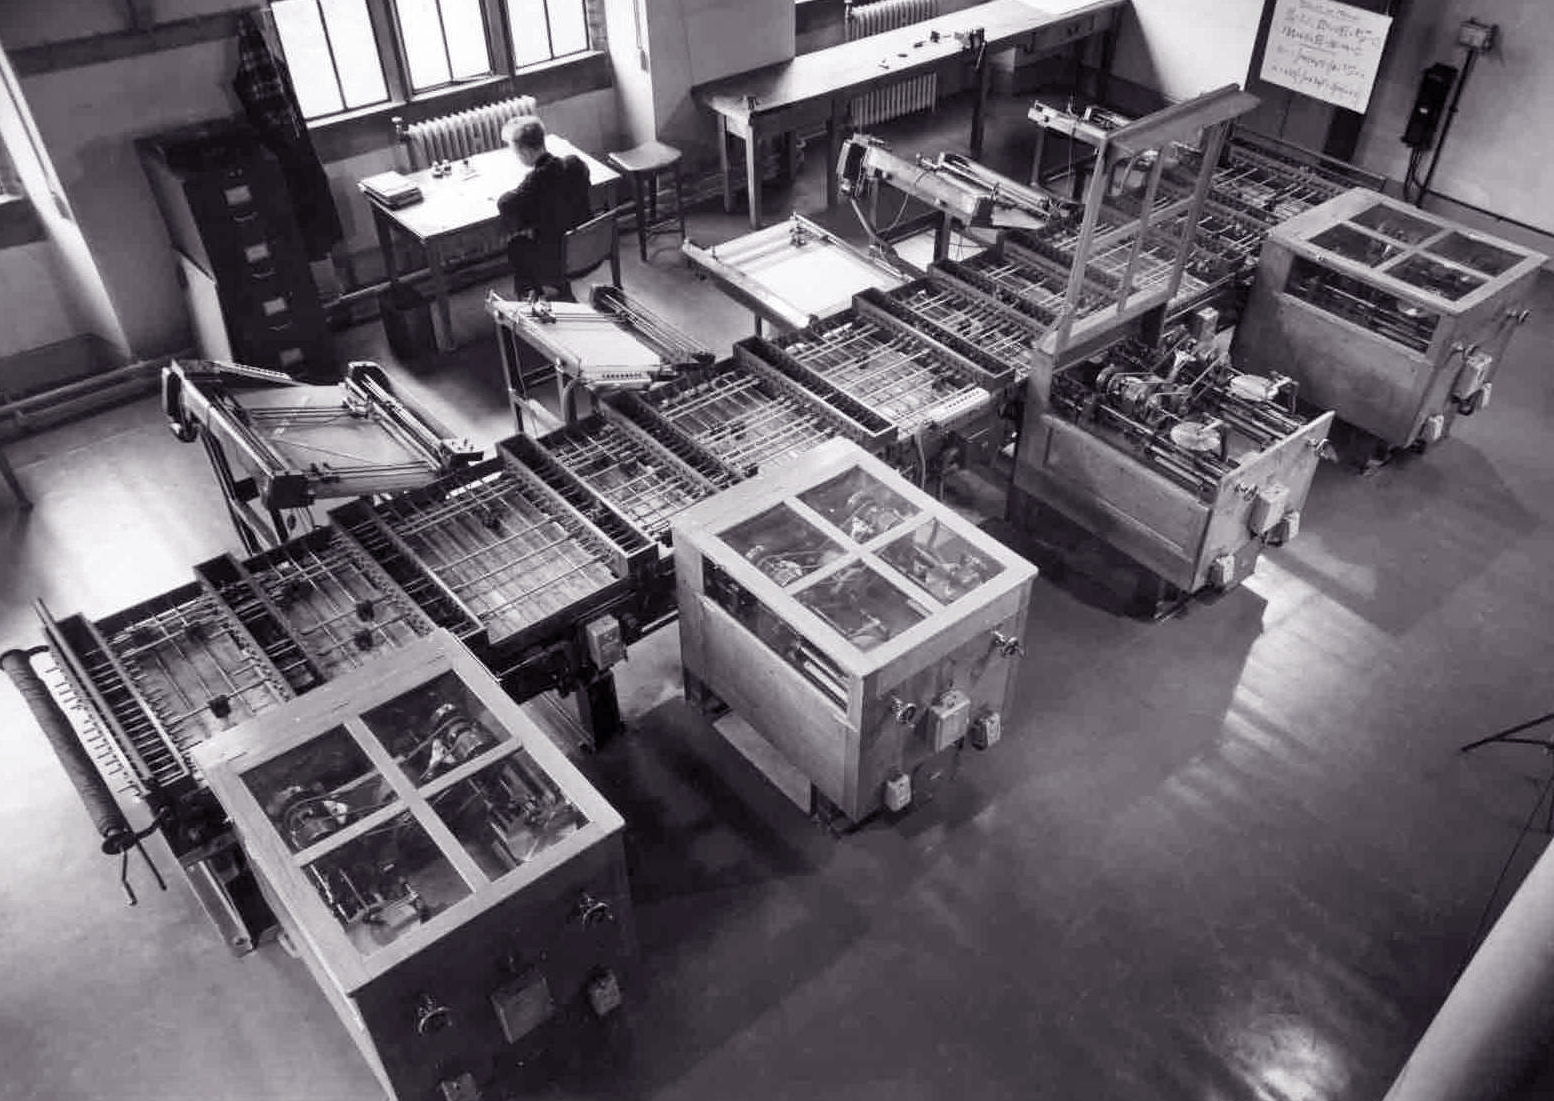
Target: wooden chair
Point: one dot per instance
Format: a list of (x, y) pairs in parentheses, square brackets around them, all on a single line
[(588, 246)]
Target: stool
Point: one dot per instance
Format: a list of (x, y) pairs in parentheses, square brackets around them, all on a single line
[(643, 164)]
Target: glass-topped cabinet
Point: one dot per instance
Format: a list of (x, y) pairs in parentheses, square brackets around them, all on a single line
[(1391, 316), (446, 873), (860, 626)]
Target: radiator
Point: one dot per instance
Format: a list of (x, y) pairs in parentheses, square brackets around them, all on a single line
[(464, 133), (904, 97)]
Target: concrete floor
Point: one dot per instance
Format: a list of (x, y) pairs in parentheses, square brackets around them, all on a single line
[(1231, 856)]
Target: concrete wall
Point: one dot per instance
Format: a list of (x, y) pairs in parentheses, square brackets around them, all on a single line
[(1500, 143), (1182, 48), (51, 289)]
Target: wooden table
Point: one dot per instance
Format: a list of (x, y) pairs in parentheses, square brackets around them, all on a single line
[(466, 203), (817, 87)]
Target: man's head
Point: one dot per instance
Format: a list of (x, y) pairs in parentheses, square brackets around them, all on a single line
[(525, 135)]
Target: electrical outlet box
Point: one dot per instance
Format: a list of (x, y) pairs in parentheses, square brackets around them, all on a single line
[(523, 1005), (1477, 36), (948, 719), (603, 639)]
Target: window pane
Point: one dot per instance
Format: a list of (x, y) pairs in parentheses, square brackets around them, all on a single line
[(307, 56), (568, 30), (466, 38), (356, 52), (421, 31), (530, 42)]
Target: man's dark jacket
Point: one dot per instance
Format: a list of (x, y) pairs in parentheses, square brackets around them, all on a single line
[(550, 200)]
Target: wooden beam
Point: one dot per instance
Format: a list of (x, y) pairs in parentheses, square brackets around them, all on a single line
[(94, 49)]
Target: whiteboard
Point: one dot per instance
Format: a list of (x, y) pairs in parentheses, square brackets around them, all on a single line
[(1325, 49)]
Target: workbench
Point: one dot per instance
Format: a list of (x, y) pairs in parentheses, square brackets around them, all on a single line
[(817, 87)]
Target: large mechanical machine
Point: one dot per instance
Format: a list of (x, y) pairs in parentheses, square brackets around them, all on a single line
[(278, 446), (794, 273), (1171, 455), (865, 630), (612, 342), (1393, 317), (454, 885)]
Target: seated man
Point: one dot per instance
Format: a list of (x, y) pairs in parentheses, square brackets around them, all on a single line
[(550, 200)]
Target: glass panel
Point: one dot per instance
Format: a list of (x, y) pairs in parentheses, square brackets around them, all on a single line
[(467, 51), (1351, 244), (776, 635), (435, 728), (384, 883), (425, 51), (1437, 278), (862, 606), (1396, 224), (940, 561), (301, 32), (318, 788), (859, 503), (355, 52), (1470, 252), (507, 812), (1375, 309), (782, 544), (531, 42), (568, 28)]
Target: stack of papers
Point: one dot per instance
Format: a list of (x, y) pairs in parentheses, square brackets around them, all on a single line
[(391, 189)]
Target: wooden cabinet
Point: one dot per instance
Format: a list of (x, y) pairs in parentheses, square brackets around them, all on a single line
[(454, 884), (864, 629), (1394, 318)]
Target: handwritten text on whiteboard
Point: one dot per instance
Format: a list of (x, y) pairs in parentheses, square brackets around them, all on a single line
[(1325, 49)]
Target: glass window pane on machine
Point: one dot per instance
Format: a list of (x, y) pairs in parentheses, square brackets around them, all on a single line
[(435, 728), (1437, 278), (1481, 256), (782, 544), (355, 52), (1352, 244), (318, 788), (507, 813), (531, 33), (468, 54), (861, 606), (303, 41), (1396, 224), (386, 882), (859, 504), (939, 561), (426, 53)]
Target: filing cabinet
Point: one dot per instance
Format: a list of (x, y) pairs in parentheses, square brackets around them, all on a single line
[(242, 265)]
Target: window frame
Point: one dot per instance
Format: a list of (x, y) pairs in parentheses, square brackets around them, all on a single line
[(387, 37)]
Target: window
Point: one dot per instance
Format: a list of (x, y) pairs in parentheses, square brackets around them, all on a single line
[(349, 54), (332, 54)]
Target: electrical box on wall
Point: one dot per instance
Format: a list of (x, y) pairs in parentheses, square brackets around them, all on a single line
[(1477, 36), (1434, 86)]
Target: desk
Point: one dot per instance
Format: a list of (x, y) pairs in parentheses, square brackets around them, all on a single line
[(817, 87), (460, 204)]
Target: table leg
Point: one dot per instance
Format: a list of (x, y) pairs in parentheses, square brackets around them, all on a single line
[(834, 149), (753, 176), (1041, 141), (385, 242), (11, 480), (984, 78), (440, 293), (723, 165)]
